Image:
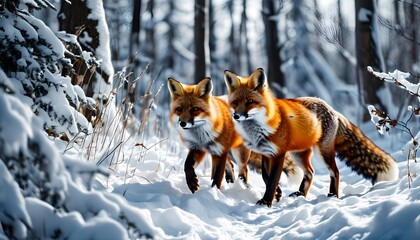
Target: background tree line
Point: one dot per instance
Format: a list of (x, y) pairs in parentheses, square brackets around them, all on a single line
[(307, 47)]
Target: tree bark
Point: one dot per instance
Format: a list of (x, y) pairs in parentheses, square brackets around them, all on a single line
[(134, 48), (135, 32), (76, 18), (274, 72), (149, 46), (201, 39), (368, 50), (234, 55)]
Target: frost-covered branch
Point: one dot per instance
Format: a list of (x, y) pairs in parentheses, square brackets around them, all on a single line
[(400, 79), (384, 122)]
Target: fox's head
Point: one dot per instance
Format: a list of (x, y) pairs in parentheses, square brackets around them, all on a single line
[(190, 103), (247, 95)]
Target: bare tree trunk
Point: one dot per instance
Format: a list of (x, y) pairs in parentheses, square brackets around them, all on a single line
[(415, 56), (243, 60), (272, 46), (201, 39), (341, 26), (76, 18), (234, 56), (212, 35), (135, 32), (368, 52), (247, 49), (397, 17), (134, 48), (171, 37), (149, 50), (348, 72)]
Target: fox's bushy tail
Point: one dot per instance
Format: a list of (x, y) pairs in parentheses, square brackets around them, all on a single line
[(362, 155)]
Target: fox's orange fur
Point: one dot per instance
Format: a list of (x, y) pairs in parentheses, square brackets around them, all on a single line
[(205, 125), (275, 127)]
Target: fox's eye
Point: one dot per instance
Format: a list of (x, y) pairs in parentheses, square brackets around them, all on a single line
[(250, 101), (194, 109), (235, 103), (178, 109)]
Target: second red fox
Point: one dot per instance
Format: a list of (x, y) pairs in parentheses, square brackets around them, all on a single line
[(274, 127), (204, 124)]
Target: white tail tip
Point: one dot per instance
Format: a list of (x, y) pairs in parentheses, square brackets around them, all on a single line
[(391, 175)]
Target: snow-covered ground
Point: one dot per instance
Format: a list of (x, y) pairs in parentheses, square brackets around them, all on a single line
[(145, 194), (388, 210)]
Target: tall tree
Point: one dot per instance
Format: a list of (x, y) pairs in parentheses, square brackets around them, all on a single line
[(343, 33), (135, 32), (134, 45), (368, 51), (234, 55), (171, 37), (86, 19), (149, 46), (413, 19), (272, 45), (201, 39), (245, 61)]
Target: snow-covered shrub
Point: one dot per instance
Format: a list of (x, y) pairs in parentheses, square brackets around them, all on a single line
[(13, 213), (40, 197), (34, 59), (28, 154), (384, 122)]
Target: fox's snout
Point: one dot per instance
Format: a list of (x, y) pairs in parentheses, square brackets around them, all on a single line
[(191, 124), (182, 124), (240, 116), (185, 125)]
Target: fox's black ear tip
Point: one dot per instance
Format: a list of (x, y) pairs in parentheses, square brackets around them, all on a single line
[(226, 71), (260, 69)]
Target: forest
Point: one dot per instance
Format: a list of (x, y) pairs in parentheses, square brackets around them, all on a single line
[(87, 150)]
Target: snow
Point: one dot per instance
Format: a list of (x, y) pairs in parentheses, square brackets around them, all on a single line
[(103, 51), (145, 194), (12, 212), (142, 192), (400, 79), (361, 212)]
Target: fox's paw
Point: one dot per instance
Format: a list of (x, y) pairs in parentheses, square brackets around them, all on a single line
[(264, 202), (216, 184), (332, 195), (193, 185), (244, 180), (297, 194), (229, 178), (192, 181), (279, 193)]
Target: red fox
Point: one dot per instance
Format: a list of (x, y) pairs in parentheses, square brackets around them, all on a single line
[(274, 127), (205, 125)]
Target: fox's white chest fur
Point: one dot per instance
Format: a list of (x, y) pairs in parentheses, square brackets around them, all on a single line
[(254, 130), (200, 136)]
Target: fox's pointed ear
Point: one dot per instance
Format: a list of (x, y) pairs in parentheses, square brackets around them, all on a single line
[(175, 88), (204, 88), (258, 80), (232, 81)]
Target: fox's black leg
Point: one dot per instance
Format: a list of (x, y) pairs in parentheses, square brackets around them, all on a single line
[(229, 172), (190, 176), (272, 168), (218, 169)]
